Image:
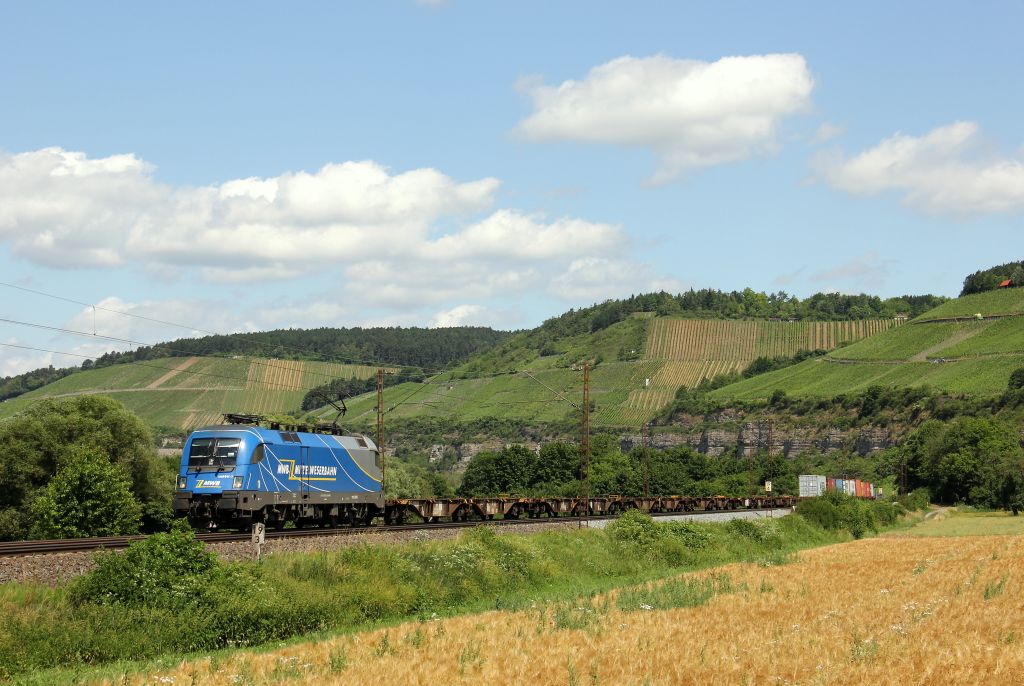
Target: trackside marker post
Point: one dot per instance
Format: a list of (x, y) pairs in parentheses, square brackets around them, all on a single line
[(259, 536)]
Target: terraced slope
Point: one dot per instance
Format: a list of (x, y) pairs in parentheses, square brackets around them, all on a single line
[(187, 392), (677, 352), (691, 350), (968, 345)]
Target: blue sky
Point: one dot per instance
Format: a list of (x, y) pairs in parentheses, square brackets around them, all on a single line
[(241, 166)]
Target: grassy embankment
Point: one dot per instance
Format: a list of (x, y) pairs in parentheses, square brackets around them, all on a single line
[(908, 609), (134, 613), (947, 348)]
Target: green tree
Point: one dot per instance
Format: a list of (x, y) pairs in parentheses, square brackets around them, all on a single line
[(971, 460), (1016, 379), (88, 496), (557, 465), (36, 443), (509, 471)]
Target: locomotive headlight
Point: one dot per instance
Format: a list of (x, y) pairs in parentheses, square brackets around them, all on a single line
[(182, 483), (236, 482)]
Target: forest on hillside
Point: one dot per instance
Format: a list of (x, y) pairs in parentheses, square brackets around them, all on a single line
[(989, 279), (709, 303)]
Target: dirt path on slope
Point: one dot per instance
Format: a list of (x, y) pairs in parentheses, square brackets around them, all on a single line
[(174, 372), (958, 337)]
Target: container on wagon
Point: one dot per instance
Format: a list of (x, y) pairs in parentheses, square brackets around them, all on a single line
[(811, 485), (850, 487), (839, 486), (830, 485)]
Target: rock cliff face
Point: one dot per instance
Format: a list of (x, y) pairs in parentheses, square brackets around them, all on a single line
[(723, 433), (872, 440), (756, 436), (464, 452)]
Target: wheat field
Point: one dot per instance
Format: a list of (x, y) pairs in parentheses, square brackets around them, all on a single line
[(887, 610)]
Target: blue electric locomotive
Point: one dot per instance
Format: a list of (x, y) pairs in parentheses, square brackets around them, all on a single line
[(233, 475)]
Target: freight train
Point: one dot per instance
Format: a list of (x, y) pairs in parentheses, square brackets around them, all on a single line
[(236, 474)]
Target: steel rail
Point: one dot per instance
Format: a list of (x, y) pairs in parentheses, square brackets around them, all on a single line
[(68, 545)]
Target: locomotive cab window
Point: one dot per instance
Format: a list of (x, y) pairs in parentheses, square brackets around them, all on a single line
[(258, 454), (213, 452), (378, 460)]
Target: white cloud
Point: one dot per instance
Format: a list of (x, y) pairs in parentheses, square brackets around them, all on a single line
[(60, 208), (410, 248), (787, 279), (868, 270), (689, 113), (460, 315), (594, 279), (948, 170), (827, 131), (402, 240), (401, 285), (512, 235), (17, 360)]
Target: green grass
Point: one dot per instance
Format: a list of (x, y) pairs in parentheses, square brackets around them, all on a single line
[(817, 378), (544, 396), (1003, 301), (1001, 336), (371, 585), (984, 354), (957, 523), (906, 341)]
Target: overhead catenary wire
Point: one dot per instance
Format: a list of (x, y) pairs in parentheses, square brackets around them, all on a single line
[(347, 360), (558, 394)]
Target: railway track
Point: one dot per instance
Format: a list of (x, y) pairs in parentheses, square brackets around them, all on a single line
[(69, 545)]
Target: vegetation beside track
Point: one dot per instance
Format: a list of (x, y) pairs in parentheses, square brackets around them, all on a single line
[(891, 610), (165, 596)]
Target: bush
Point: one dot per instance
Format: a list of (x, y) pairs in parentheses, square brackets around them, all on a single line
[(1016, 381), (88, 496), (171, 570), (915, 500), (634, 528), (819, 511)]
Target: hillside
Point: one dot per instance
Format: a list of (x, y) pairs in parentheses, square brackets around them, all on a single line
[(641, 363), (968, 345), (642, 349), (406, 346), (182, 393)]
